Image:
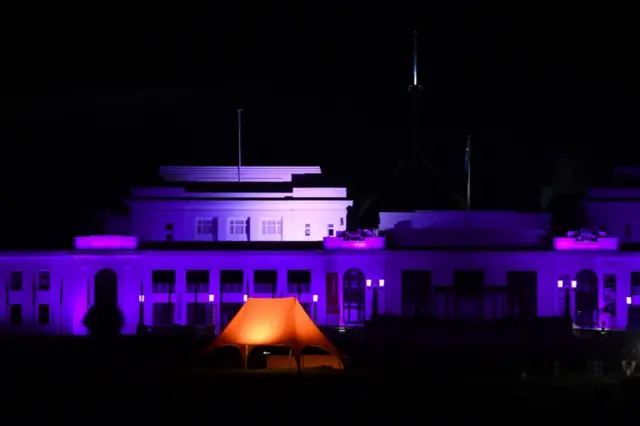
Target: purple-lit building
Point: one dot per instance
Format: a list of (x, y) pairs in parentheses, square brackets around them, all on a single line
[(194, 248)]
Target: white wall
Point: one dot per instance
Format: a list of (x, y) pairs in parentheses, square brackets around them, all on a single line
[(149, 218), (77, 271)]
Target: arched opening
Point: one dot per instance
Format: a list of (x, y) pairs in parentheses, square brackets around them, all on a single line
[(224, 357), (105, 288), (353, 296), (280, 357), (586, 301)]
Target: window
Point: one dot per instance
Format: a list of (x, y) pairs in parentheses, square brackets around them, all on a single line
[(416, 293), (237, 227), (299, 281), (198, 281), (468, 290), (308, 308), (272, 227), (231, 281), (168, 231), (44, 316), (307, 230), (635, 284), (15, 314), (199, 314), (522, 294), (204, 226), (16, 280), (330, 230), (353, 296), (228, 311), (44, 280), (610, 294), (163, 281), (265, 282), (163, 314)]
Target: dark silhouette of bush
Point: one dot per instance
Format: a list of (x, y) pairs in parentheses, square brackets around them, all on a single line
[(104, 321)]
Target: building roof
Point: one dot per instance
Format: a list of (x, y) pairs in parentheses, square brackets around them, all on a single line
[(232, 245)]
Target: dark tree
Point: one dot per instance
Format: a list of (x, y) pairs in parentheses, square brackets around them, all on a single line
[(104, 321)]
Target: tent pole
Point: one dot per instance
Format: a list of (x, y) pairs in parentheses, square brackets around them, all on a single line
[(246, 357)]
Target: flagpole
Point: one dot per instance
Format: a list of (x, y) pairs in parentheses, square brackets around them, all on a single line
[(8, 299), (61, 302), (468, 169), (469, 172), (33, 301)]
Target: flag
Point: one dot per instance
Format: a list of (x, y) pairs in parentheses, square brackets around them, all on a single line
[(467, 155)]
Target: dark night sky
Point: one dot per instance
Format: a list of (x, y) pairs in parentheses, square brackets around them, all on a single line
[(98, 98)]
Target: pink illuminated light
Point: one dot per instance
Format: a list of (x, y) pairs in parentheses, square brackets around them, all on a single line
[(212, 298), (245, 297), (381, 283), (560, 284), (315, 298), (106, 242), (568, 243), (574, 283), (368, 282), (628, 300), (141, 298), (369, 243)]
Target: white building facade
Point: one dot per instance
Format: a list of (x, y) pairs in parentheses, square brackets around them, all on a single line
[(209, 238)]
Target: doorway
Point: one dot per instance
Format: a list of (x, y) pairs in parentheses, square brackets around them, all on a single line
[(105, 288)]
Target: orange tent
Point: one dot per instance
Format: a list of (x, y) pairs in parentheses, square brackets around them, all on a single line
[(273, 322)]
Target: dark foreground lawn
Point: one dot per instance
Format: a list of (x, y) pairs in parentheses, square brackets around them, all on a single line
[(78, 382)]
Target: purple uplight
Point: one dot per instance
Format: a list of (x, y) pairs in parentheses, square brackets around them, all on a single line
[(369, 243), (106, 242), (569, 243)]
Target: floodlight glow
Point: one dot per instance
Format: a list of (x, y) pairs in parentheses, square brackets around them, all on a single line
[(628, 300), (574, 283), (560, 283), (315, 297), (212, 298), (368, 282), (141, 298), (381, 283), (245, 297), (105, 242)]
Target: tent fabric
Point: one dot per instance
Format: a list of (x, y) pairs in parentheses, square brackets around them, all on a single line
[(273, 322)]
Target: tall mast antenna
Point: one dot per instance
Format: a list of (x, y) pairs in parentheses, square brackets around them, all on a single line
[(414, 87), (239, 143)]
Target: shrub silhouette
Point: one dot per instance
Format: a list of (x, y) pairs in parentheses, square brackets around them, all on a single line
[(104, 321)]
